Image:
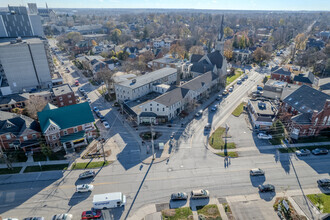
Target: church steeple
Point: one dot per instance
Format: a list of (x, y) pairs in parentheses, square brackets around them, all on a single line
[(220, 40)]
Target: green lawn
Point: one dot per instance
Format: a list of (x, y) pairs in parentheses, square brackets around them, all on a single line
[(239, 109), (39, 157), (209, 211), (60, 155), (276, 141), (293, 149), (216, 140), (177, 214), (30, 169), (90, 165), (231, 78), (8, 171), (232, 154), (322, 201)]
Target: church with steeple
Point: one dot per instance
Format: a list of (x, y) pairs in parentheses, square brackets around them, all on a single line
[(214, 61)]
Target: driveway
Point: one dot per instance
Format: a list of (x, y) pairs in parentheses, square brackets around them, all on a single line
[(255, 209)]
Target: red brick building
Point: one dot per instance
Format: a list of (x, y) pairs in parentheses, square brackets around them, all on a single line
[(309, 110), (18, 132), (281, 74), (63, 95)]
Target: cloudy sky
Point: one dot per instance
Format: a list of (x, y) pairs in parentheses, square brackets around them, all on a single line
[(196, 4)]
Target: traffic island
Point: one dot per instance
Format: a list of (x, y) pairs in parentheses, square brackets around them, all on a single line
[(228, 211), (216, 140), (208, 212), (178, 214), (321, 201), (285, 210)]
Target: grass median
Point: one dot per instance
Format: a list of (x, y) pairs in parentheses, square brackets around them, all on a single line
[(30, 169), (4, 171), (233, 77), (89, 165), (177, 214), (321, 201), (239, 109), (294, 149), (232, 154), (216, 140)]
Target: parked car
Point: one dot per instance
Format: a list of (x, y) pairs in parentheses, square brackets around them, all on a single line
[(34, 218), (231, 89), (199, 113), (260, 88), (84, 188), (87, 174), (85, 95), (96, 110), (214, 108), (200, 194), (264, 136), (102, 118), (207, 126), (64, 216), (324, 182), (106, 125), (10, 219), (219, 97), (257, 172), (225, 93), (91, 214), (319, 151), (179, 196), (172, 135), (239, 82), (89, 100), (266, 188), (303, 152), (81, 90), (76, 83)]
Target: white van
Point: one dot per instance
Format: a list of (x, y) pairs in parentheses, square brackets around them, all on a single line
[(109, 200)]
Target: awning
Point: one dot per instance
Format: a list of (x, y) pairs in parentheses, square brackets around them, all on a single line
[(73, 137)]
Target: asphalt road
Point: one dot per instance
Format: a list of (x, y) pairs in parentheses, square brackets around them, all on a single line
[(191, 166)]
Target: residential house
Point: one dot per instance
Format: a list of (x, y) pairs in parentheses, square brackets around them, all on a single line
[(18, 132), (262, 113), (281, 74), (304, 79), (163, 42), (309, 110), (243, 56), (63, 95), (82, 47), (68, 127), (278, 90), (318, 44)]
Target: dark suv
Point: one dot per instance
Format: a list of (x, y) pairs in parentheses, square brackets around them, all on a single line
[(324, 182), (266, 188)]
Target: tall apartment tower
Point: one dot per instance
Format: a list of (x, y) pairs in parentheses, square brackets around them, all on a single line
[(24, 65), (18, 21)]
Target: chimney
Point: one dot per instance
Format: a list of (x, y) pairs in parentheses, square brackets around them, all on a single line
[(178, 75)]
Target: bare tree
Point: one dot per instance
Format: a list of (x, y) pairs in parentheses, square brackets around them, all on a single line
[(106, 75), (34, 105), (197, 50)]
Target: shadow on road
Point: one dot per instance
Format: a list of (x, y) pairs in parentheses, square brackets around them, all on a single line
[(267, 196), (177, 203), (78, 197), (257, 180)]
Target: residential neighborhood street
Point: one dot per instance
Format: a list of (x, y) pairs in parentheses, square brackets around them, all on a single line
[(191, 165)]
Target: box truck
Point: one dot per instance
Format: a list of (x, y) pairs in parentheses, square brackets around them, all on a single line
[(109, 200)]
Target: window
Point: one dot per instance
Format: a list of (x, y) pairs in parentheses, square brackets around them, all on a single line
[(25, 138), (157, 109), (34, 136), (69, 96), (325, 120), (8, 137), (60, 98), (70, 101), (151, 109), (145, 109), (62, 103), (65, 132), (75, 130), (163, 109), (315, 123), (54, 137)]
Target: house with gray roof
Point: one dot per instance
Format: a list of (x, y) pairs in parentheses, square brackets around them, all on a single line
[(309, 110), (18, 132), (281, 74), (304, 79)]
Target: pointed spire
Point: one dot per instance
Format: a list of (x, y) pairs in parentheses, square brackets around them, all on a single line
[(46, 6), (221, 35)]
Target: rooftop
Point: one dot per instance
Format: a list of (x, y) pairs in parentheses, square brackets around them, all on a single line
[(62, 89), (13, 41), (167, 60), (148, 78), (263, 107)]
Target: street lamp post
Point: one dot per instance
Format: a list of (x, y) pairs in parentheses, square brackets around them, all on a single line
[(152, 142)]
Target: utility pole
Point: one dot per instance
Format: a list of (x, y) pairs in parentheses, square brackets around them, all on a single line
[(152, 141), (102, 146), (4, 156)]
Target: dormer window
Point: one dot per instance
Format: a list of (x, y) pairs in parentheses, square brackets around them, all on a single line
[(8, 125)]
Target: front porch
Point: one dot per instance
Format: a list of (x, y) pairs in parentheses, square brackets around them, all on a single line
[(74, 140)]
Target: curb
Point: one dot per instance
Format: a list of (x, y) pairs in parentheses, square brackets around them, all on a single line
[(155, 162)]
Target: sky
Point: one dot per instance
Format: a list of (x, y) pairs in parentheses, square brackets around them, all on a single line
[(310, 5)]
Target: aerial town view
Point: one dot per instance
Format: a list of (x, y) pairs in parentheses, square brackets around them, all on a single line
[(164, 110)]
